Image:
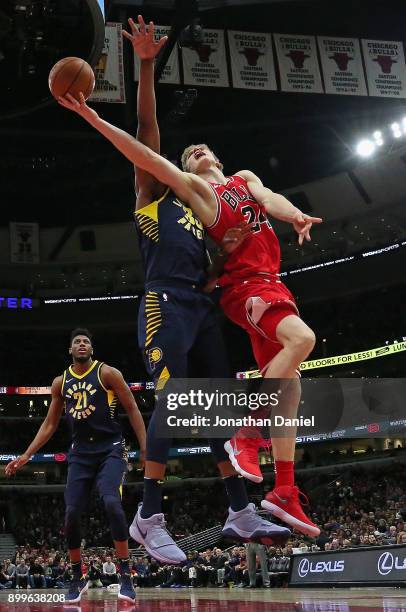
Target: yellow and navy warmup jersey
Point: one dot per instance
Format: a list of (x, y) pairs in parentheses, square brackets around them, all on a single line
[(171, 241), (91, 409)]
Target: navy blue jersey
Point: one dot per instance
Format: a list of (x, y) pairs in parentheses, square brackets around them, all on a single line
[(91, 409), (172, 242)]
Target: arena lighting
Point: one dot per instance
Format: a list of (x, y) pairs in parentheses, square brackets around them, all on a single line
[(395, 127), (378, 138), (365, 148)]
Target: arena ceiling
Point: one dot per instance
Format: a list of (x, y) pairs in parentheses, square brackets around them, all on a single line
[(57, 171)]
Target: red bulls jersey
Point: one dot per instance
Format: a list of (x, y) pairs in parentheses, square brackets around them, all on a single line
[(260, 252)]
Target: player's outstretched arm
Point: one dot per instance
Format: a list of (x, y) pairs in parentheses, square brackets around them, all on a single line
[(188, 187), (45, 432), (145, 47), (113, 379), (279, 207)]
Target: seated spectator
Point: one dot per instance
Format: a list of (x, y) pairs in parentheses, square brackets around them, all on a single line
[(241, 570), (10, 571), (219, 561), (94, 574), (391, 535), (22, 571), (49, 580), (174, 577), (142, 572), (37, 575), (5, 582), (109, 572), (58, 575)]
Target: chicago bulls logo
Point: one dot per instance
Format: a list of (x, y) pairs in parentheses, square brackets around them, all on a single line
[(251, 55), (385, 62), (298, 58), (341, 59), (204, 52)]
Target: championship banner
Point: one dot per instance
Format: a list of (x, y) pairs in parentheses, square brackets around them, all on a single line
[(252, 62), (298, 63), (109, 71), (206, 65), (325, 362), (170, 73), (385, 67), (24, 243), (342, 66)]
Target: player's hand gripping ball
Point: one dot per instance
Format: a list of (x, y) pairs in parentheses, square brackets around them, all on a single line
[(71, 75)]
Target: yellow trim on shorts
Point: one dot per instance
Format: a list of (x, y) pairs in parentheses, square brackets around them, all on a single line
[(163, 379)]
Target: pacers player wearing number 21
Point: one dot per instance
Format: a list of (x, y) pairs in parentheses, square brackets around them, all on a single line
[(88, 392)]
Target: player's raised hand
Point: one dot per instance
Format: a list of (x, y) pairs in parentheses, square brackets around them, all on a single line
[(78, 106), (303, 224), (16, 464), (235, 236), (143, 40)]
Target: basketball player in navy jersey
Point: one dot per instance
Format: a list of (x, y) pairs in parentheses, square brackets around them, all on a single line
[(177, 325), (88, 393)]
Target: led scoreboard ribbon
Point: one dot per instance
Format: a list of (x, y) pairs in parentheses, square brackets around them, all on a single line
[(349, 358), (314, 364)]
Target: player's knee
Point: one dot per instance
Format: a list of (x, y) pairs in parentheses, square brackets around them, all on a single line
[(72, 515), (115, 513), (112, 505), (308, 339), (303, 341)]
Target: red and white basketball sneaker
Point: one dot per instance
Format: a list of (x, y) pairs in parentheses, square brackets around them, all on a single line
[(285, 503), (243, 454)]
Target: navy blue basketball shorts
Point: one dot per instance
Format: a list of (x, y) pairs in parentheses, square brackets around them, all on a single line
[(179, 335), (99, 464)]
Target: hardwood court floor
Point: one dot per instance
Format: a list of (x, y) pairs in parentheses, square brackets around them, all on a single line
[(221, 600)]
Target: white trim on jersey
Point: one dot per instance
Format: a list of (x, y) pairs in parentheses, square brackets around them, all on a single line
[(218, 202)]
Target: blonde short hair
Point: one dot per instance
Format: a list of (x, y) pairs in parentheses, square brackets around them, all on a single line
[(187, 151)]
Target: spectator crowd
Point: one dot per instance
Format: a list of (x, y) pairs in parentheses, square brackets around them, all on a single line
[(361, 508), (32, 568)]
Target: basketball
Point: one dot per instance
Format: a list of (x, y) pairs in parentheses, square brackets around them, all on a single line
[(71, 75)]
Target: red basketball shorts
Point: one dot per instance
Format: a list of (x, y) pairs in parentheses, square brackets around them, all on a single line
[(258, 305)]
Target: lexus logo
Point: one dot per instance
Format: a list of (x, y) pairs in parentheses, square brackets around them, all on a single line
[(319, 567), (385, 563), (303, 568)]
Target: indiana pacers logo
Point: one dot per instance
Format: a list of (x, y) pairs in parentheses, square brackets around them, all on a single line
[(82, 394), (189, 221), (154, 356)]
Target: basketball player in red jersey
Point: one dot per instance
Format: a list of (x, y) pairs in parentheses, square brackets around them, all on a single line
[(253, 295), (255, 299)]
